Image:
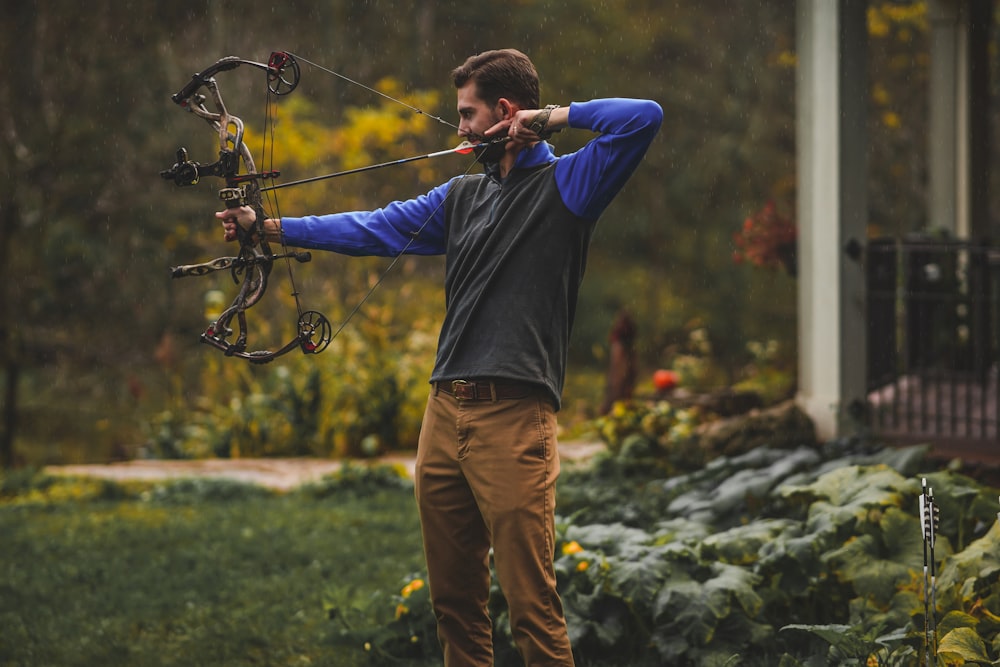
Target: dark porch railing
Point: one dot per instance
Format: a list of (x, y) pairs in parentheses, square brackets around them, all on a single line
[(934, 343)]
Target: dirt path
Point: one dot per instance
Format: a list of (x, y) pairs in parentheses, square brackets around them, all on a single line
[(279, 474)]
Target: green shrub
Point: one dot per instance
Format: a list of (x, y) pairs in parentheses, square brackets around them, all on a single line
[(641, 435), (359, 480), (365, 394)]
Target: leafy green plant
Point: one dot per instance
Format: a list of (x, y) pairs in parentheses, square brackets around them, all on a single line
[(801, 557), (410, 633), (849, 646)]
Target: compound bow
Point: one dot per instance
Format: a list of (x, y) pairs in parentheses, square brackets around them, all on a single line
[(252, 266)]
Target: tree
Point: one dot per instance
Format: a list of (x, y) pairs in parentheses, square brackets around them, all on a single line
[(78, 223)]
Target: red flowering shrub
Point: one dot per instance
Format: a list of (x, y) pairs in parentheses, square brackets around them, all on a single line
[(767, 239)]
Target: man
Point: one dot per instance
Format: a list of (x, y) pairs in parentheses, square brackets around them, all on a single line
[(516, 240)]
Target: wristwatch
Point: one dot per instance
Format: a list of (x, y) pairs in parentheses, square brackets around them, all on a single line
[(541, 120)]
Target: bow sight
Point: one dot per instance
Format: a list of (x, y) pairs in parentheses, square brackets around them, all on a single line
[(252, 267)]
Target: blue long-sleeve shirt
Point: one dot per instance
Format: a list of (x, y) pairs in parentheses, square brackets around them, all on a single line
[(516, 247)]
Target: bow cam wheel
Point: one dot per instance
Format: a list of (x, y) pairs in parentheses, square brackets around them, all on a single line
[(282, 73), (315, 332)]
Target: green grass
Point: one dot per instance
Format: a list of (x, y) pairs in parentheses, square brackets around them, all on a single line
[(197, 573)]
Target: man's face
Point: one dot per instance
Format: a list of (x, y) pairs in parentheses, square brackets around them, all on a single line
[(475, 115)]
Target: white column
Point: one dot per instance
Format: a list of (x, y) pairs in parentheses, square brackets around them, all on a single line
[(958, 134), (832, 208)]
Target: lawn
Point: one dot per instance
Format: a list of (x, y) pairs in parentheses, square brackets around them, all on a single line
[(197, 573)]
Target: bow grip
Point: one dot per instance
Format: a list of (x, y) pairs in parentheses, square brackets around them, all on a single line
[(236, 197)]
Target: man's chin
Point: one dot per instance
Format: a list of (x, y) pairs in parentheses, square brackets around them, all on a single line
[(491, 151)]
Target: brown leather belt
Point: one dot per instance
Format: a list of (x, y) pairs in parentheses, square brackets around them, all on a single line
[(486, 390)]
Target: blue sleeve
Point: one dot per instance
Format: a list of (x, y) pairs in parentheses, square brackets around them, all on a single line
[(384, 232), (591, 177)]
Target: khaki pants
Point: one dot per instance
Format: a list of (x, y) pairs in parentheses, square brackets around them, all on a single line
[(485, 476)]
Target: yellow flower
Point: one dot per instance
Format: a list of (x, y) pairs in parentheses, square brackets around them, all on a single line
[(412, 587), (571, 548), (872, 661), (401, 610), (582, 566)]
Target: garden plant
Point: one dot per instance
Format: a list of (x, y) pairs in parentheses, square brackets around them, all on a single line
[(793, 557)]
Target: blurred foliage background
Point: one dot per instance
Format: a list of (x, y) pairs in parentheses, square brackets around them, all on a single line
[(99, 347)]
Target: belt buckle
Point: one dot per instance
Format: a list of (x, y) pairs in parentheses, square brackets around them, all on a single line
[(463, 390)]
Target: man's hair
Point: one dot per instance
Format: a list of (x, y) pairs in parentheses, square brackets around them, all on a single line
[(502, 73)]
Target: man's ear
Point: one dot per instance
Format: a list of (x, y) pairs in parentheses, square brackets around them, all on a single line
[(507, 108)]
